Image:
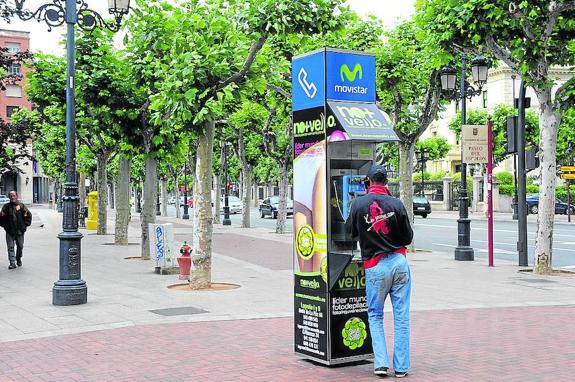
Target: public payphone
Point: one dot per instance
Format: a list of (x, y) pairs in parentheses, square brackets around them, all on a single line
[(337, 127)]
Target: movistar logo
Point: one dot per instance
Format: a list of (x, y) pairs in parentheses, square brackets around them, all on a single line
[(344, 72)]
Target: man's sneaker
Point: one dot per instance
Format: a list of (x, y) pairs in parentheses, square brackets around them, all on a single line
[(11, 266), (400, 374), (381, 371), (19, 262)]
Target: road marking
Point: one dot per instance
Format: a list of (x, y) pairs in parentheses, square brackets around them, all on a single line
[(482, 229), (495, 250)]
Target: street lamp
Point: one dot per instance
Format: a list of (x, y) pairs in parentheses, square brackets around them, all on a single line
[(227, 220), (479, 70), (422, 157), (70, 289)]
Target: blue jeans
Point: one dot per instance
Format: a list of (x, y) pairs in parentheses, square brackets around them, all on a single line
[(391, 276)]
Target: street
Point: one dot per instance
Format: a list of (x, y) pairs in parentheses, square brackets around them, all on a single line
[(440, 234)]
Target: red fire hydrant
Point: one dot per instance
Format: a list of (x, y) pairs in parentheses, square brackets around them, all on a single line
[(185, 261)]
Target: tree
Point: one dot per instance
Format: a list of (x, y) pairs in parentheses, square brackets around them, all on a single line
[(211, 49), (14, 136), (436, 146), (529, 37), (409, 91)]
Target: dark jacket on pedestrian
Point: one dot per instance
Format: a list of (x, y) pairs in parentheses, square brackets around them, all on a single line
[(380, 223), (15, 218)]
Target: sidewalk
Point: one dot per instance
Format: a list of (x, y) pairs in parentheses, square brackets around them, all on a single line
[(470, 322)]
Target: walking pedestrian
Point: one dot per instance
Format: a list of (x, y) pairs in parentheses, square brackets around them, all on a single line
[(381, 224), (15, 218)]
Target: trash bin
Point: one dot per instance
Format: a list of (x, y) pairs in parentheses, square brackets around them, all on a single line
[(92, 211)]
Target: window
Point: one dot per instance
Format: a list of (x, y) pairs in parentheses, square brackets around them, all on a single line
[(11, 110), (13, 91), (13, 47), (484, 99), (14, 69), (434, 134)]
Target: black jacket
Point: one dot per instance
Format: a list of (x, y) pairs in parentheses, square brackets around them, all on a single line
[(380, 223), (15, 220)]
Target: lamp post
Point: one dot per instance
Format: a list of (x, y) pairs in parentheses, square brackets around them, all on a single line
[(70, 289), (227, 220), (422, 157), (186, 215), (479, 70)]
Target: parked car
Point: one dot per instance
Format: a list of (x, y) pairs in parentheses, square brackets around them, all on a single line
[(560, 207), (270, 207), (172, 200), (234, 203), (421, 206), (4, 199)]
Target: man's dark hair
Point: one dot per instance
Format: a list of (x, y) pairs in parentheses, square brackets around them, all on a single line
[(377, 174), (379, 178)]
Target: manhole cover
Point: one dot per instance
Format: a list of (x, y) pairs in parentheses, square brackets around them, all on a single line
[(538, 281), (183, 311), (121, 245), (213, 287)]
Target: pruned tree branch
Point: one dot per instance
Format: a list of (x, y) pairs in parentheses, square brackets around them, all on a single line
[(501, 53), (279, 90), (555, 10), (563, 100), (242, 74), (524, 21)]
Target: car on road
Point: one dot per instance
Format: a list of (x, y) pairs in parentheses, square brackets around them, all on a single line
[(4, 199), (172, 200), (560, 207), (234, 203), (270, 207), (421, 206)]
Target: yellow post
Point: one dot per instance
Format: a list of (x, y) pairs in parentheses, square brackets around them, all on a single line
[(92, 211)]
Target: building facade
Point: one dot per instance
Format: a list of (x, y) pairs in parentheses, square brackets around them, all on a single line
[(30, 183)]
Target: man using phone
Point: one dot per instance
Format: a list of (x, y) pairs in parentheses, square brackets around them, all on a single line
[(381, 224), (15, 218)]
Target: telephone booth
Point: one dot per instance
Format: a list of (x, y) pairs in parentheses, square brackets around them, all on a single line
[(337, 127)]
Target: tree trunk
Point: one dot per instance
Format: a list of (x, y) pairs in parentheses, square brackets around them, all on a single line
[(548, 126), (123, 208), (164, 206), (255, 195), (102, 185), (201, 274), (406, 152), (246, 180), (112, 194), (217, 195), (149, 208), (177, 196), (282, 208)]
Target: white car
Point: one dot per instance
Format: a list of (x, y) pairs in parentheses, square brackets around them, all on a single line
[(4, 199), (172, 200), (234, 203)]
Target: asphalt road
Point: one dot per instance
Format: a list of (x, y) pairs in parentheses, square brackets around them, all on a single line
[(440, 234)]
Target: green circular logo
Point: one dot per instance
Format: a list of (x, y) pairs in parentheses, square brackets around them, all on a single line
[(354, 333), (304, 241)]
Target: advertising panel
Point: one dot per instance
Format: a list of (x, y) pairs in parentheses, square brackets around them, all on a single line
[(350, 76), (310, 227), (348, 311), (308, 81)]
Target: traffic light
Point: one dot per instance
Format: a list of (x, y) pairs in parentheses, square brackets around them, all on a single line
[(531, 159), (511, 135)]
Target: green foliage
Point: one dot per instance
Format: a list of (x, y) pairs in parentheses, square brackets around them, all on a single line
[(566, 139), (504, 178), (561, 193), (507, 189), (437, 146)]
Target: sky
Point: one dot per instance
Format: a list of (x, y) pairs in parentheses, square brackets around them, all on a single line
[(390, 11)]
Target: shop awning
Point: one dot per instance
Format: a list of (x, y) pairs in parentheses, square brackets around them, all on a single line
[(364, 121)]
